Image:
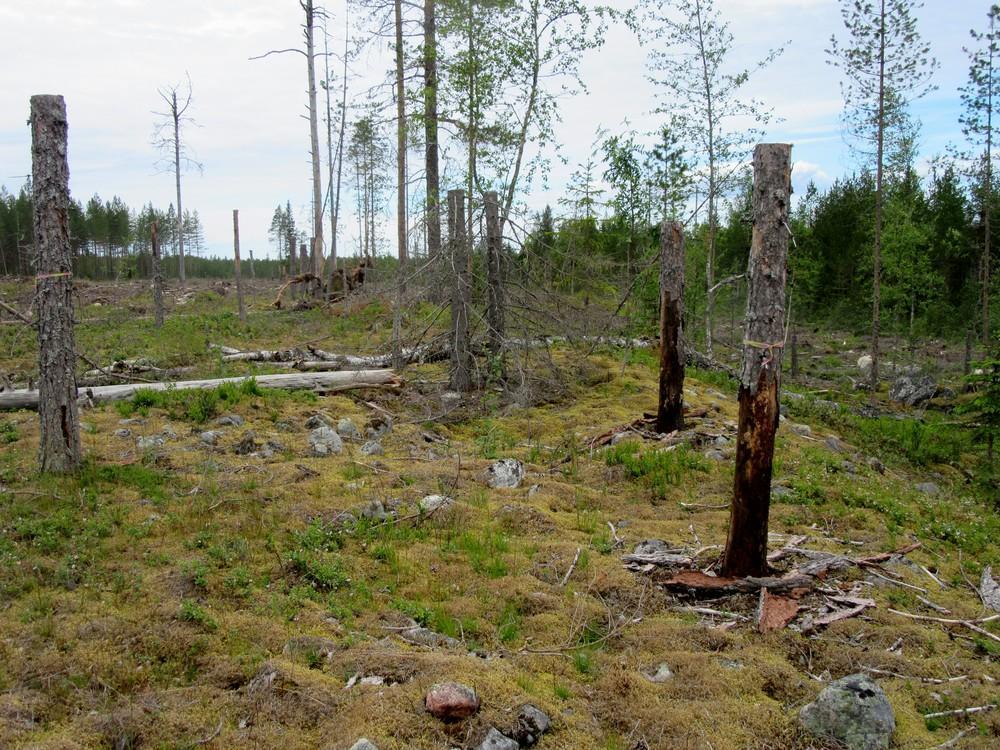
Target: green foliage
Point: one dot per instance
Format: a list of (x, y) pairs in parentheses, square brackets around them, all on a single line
[(196, 405), (983, 411), (658, 469), (8, 432), (191, 611)]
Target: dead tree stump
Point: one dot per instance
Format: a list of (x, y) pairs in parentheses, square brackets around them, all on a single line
[(669, 411), (461, 354), (495, 302), (746, 546), (59, 447), (154, 239), (236, 255)]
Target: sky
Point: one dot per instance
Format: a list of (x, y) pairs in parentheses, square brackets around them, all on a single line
[(108, 58)]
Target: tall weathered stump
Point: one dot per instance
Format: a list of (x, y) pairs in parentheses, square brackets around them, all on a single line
[(670, 409), (59, 447), (746, 547)]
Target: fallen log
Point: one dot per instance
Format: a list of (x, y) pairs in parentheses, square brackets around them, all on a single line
[(321, 381), (705, 585), (300, 279)]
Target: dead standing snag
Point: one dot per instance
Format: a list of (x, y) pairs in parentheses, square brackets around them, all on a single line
[(669, 413), (746, 546)]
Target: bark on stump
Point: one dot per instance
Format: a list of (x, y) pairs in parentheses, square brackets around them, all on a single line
[(59, 447), (746, 546), (461, 355), (495, 303), (154, 238), (669, 412), (236, 256)]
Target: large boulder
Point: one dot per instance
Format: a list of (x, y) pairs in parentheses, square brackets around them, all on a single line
[(854, 711), (912, 389), (324, 441), (507, 472), (865, 363)]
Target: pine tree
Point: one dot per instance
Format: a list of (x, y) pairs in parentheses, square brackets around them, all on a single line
[(886, 65)]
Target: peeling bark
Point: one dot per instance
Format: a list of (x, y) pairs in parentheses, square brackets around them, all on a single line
[(746, 546)]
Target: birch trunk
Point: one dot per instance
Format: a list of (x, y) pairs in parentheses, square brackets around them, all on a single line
[(59, 446), (746, 546), (495, 302)]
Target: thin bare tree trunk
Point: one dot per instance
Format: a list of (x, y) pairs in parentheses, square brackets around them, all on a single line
[(461, 356), (176, 114), (317, 184), (877, 253), (335, 211), (401, 239), (236, 256), (670, 410), (431, 167), (495, 299), (59, 444), (157, 275), (253, 275), (746, 546)]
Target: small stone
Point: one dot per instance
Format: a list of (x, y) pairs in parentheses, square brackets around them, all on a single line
[(734, 664), (230, 420), (928, 488), (324, 441), (431, 503), (372, 448), (168, 434), (374, 511), (854, 711), (715, 455), (653, 547), (507, 472), (876, 465), (427, 637), (210, 437), (781, 492), (348, 430), (848, 468), (378, 426), (834, 443), (364, 744), (494, 740), (123, 432), (865, 363), (451, 701), (803, 430), (283, 425), (721, 440), (248, 444), (317, 420), (148, 442), (533, 490), (659, 674), (531, 724)]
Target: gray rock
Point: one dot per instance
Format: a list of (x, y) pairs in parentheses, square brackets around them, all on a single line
[(494, 740), (427, 637), (507, 472), (210, 437), (854, 711), (865, 363), (123, 432), (283, 425), (373, 511), (168, 434), (372, 448), (132, 420), (653, 547), (928, 488), (780, 491), (532, 722), (658, 674), (348, 430), (801, 429), (714, 455), (721, 440), (230, 420), (834, 443), (912, 389), (325, 442), (364, 744), (248, 444), (317, 420), (848, 468), (377, 426), (989, 589), (271, 447), (431, 503), (148, 442), (534, 489)]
